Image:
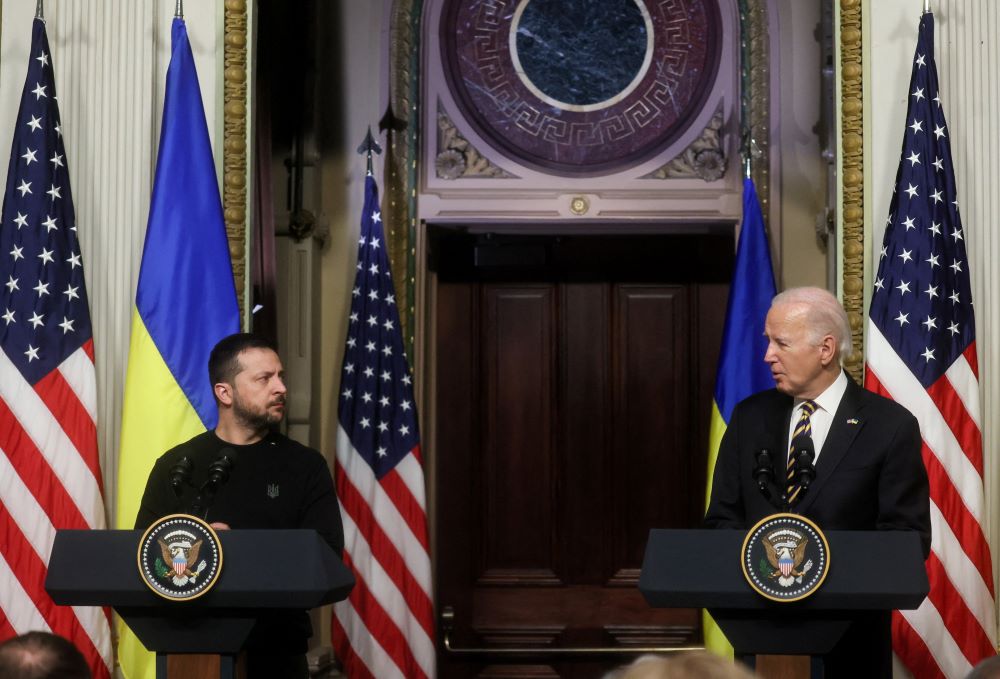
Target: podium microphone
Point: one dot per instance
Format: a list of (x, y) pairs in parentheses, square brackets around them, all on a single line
[(219, 470), (763, 473), (218, 474), (180, 475), (805, 470)]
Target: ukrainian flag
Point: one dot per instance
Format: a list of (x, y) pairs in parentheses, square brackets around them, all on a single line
[(742, 370), (185, 302)]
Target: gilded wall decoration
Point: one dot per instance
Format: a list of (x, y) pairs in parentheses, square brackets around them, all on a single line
[(852, 154), (401, 125), (457, 157), (759, 105), (704, 158), (234, 154)]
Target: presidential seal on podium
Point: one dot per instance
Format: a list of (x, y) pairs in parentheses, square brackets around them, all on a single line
[(180, 557), (785, 557)]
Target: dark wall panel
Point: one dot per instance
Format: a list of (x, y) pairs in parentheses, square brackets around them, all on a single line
[(518, 360)]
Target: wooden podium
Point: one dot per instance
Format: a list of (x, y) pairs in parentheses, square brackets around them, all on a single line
[(100, 568), (869, 571)]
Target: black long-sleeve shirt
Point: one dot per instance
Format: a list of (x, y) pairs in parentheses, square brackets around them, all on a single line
[(274, 483)]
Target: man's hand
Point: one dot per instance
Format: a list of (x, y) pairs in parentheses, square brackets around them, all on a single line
[(218, 525)]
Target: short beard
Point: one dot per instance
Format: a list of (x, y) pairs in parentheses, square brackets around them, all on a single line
[(254, 420)]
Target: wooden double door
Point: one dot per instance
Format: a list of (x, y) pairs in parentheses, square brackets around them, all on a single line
[(574, 380)]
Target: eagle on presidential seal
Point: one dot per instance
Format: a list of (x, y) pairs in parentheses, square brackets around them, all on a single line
[(179, 553), (786, 549)]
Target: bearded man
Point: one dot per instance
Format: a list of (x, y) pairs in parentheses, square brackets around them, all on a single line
[(275, 482)]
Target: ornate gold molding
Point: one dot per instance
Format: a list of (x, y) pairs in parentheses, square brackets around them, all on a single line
[(760, 101), (852, 158), (398, 216), (234, 145)]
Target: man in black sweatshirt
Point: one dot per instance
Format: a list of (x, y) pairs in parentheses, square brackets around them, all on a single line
[(275, 483)]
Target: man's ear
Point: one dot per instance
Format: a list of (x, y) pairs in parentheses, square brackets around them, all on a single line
[(223, 393), (827, 350)]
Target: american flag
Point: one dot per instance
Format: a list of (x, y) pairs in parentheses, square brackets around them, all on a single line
[(922, 353), (50, 476), (385, 628)]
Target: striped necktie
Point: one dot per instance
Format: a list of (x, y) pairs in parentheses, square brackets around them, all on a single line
[(802, 434)]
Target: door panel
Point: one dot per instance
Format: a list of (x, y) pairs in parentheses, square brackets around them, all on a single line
[(516, 437), (571, 417)]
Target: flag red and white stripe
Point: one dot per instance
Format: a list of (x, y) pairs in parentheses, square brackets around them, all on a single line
[(48, 454), (921, 352), (385, 629)]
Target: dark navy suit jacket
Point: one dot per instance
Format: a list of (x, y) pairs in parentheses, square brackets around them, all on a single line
[(869, 476), (869, 473)]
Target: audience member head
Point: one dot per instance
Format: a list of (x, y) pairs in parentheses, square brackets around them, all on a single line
[(694, 665), (987, 669), (41, 655)]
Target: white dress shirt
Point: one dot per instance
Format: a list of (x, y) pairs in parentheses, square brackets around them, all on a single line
[(820, 421)]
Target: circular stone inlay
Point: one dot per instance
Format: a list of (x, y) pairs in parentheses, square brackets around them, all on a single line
[(581, 54), (518, 111)]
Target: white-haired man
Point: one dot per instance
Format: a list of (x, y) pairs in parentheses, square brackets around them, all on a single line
[(869, 471)]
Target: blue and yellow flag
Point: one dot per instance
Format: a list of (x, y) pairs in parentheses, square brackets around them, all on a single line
[(742, 370), (185, 302)]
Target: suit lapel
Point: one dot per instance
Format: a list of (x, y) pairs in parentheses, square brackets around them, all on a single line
[(847, 423), (780, 421)]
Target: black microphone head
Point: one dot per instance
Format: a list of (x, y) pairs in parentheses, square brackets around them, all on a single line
[(221, 468), (804, 466), (180, 474), (763, 472)]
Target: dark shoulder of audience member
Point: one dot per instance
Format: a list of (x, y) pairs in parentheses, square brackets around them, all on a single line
[(41, 655), (987, 669)]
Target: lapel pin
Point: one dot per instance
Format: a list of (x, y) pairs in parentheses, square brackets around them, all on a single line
[(853, 420)]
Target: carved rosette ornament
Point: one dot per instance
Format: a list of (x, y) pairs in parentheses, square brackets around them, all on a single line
[(704, 157), (234, 145), (853, 178), (457, 157)]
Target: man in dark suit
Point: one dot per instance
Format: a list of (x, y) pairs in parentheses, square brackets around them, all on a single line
[(869, 471)]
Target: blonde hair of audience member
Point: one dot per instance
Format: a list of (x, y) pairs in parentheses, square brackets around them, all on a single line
[(694, 665)]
